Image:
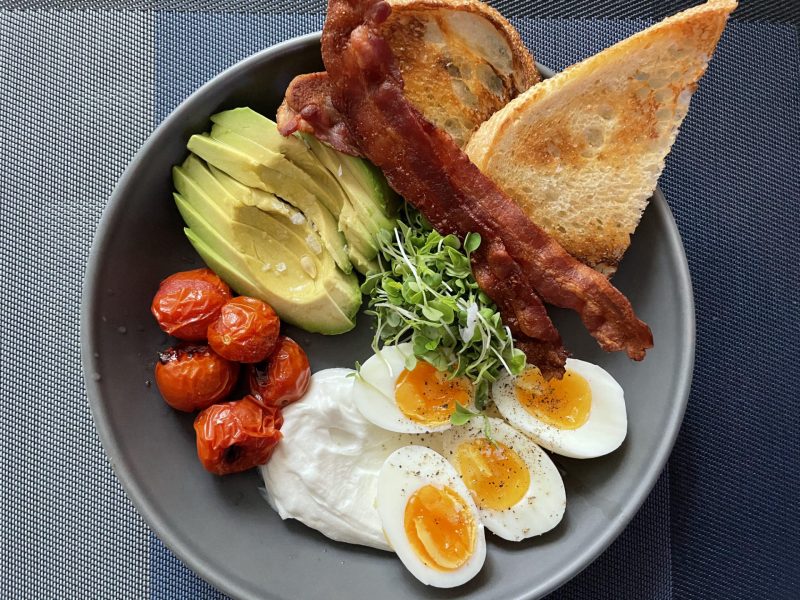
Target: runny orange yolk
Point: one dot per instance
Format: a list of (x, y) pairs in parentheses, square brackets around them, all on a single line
[(563, 403), (497, 477), (426, 395), (440, 527)]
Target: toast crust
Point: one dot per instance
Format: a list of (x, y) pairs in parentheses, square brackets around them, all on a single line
[(581, 152)]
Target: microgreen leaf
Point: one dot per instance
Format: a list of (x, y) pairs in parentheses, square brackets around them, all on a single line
[(487, 431), (425, 294), (471, 242), (461, 415), (432, 314)]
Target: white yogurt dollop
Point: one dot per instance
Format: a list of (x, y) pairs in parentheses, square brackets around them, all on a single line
[(324, 472)]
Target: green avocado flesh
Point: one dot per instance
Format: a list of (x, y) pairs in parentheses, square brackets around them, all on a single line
[(353, 190), (272, 176), (369, 193), (284, 219), (265, 248)]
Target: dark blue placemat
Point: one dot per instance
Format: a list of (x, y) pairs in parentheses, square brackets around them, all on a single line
[(83, 89)]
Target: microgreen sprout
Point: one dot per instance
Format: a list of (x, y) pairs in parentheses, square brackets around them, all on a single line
[(425, 293), (462, 415)]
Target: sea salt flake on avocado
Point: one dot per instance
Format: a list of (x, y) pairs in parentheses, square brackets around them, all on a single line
[(308, 266), (314, 245)]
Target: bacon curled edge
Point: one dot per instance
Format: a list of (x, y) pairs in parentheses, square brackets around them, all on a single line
[(307, 107), (518, 265)]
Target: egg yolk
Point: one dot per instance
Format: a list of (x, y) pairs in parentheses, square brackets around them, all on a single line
[(496, 475), (440, 527), (563, 403), (427, 396)]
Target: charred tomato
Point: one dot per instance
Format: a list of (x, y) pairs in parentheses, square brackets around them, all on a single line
[(245, 331), (186, 303), (236, 436), (284, 378), (192, 376)]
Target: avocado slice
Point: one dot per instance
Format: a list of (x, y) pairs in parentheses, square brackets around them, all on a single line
[(263, 131), (362, 263), (369, 193), (310, 309), (265, 254), (222, 200), (260, 173), (293, 222), (258, 129), (359, 238), (269, 156)]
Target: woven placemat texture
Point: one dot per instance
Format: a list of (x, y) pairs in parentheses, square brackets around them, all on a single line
[(85, 83)]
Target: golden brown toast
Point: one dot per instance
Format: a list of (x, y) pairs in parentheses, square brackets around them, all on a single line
[(461, 61), (581, 152)]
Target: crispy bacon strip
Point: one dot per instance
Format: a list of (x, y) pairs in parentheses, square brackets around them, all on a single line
[(520, 262), (307, 107), (520, 314)]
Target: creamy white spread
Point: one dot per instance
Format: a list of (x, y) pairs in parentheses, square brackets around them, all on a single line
[(324, 472)]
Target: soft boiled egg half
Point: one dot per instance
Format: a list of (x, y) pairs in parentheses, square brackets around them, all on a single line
[(417, 400), (429, 517), (581, 415), (517, 488)]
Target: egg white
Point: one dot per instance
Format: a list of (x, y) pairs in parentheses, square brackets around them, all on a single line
[(404, 472), (542, 507), (374, 391), (604, 430)]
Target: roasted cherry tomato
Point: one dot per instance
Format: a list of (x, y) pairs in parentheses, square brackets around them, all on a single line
[(186, 303), (284, 378), (246, 330), (236, 436), (192, 376)]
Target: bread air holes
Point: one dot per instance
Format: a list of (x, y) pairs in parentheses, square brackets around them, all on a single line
[(663, 114), (594, 136), (605, 111), (464, 94), (678, 51), (491, 80), (551, 197), (453, 70), (553, 150), (664, 94), (642, 93)]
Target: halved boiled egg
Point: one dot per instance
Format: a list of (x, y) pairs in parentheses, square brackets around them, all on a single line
[(517, 488), (429, 517), (581, 415), (417, 400)]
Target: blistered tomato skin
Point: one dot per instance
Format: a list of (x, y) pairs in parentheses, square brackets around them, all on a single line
[(236, 436), (284, 378), (191, 377), (245, 331), (186, 303)]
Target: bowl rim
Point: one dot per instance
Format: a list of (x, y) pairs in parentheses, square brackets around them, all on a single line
[(160, 525)]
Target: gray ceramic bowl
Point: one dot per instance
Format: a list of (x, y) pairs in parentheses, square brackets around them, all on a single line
[(221, 527)]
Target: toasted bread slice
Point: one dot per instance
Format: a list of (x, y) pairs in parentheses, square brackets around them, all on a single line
[(461, 61), (581, 152)]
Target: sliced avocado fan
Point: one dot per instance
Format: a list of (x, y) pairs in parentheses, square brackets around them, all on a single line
[(284, 219), (265, 248), (269, 172), (355, 192)]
